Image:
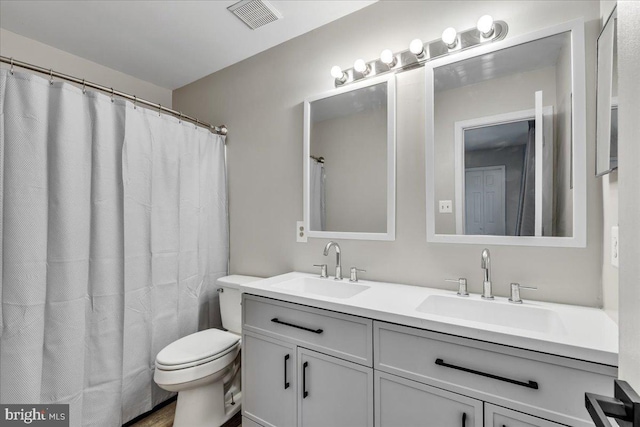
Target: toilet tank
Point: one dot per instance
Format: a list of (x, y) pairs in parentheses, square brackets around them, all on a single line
[(230, 302)]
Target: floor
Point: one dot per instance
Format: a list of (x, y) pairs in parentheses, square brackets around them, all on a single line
[(163, 417)]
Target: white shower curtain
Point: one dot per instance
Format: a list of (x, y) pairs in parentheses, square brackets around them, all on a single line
[(317, 208), (114, 229)]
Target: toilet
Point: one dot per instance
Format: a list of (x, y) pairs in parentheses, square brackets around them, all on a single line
[(204, 367)]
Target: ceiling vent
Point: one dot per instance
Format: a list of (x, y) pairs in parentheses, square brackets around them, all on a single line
[(255, 13)]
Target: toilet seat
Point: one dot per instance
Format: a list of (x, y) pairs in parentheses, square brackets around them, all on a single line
[(197, 349)]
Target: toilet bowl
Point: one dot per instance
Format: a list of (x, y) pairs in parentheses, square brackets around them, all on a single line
[(204, 367)]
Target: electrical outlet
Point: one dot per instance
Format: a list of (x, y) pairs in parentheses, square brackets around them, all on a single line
[(301, 232), (615, 255), (446, 206)]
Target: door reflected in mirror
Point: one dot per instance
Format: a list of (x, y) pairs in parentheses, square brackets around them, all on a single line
[(351, 162)]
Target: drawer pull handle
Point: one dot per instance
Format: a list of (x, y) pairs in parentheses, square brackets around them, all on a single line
[(305, 393), (464, 419), (529, 384), (280, 322), (286, 383)]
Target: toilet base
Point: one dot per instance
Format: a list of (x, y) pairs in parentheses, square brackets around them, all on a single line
[(205, 406)]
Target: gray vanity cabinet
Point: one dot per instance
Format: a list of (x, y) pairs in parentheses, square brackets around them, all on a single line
[(269, 397), (402, 402), (305, 367), (496, 416), (333, 392)]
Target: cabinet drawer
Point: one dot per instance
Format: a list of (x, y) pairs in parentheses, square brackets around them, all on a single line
[(341, 335), (547, 386), (406, 403), (495, 416)]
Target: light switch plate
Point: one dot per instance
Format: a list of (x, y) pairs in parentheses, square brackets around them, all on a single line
[(301, 232), (615, 253), (446, 206)]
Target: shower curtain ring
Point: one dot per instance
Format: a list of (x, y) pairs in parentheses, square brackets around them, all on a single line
[(11, 69), (84, 87), (180, 117), (159, 110), (50, 76), (112, 93), (197, 123), (135, 99)]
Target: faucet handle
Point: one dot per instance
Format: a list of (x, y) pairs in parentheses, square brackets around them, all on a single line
[(462, 286), (515, 292), (354, 274), (323, 270)]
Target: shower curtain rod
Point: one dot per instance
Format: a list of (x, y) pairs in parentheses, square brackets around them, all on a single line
[(220, 130)]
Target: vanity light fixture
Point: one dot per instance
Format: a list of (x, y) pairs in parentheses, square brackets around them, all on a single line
[(417, 48), (361, 67), (486, 31), (338, 74), (387, 57), (485, 26), (450, 37)]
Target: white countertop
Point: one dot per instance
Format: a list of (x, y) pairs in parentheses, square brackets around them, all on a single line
[(588, 333)]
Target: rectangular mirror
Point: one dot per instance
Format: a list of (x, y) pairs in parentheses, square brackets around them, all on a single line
[(349, 162), (607, 98), (506, 145)]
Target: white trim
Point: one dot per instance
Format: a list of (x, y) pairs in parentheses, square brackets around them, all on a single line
[(579, 235), (538, 166), (390, 234)]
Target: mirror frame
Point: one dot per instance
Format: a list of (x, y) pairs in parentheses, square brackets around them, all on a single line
[(390, 234), (578, 141), (613, 101)]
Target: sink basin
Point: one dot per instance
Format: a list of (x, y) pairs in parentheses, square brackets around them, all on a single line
[(536, 319), (322, 287)]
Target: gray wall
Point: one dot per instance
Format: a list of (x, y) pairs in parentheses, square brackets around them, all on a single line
[(260, 99), (610, 216), (563, 206), (511, 93), (21, 48), (629, 155), (355, 152)]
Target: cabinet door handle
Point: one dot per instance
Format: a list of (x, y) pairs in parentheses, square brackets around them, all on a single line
[(305, 393), (286, 383), (464, 419), (280, 322), (529, 384)]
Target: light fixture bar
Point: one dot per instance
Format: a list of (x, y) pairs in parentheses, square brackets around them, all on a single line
[(407, 60)]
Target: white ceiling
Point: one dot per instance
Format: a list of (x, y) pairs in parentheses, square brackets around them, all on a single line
[(351, 102), (169, 43), (497, 137), (522, 58)]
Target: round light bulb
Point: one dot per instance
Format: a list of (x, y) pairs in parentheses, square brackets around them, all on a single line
[(360, 66), (387, 57), (485, 25), (449, 37), (416, 47), (336, 72)]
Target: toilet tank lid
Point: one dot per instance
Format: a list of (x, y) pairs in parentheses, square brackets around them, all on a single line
[(235, 281)]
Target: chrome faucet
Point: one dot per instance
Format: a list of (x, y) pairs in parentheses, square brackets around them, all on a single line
[(485, 264), (338, 261)]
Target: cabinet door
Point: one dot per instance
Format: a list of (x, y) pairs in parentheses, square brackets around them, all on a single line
[(333, 392), (268, 381), (402, 402), (497, 416)]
